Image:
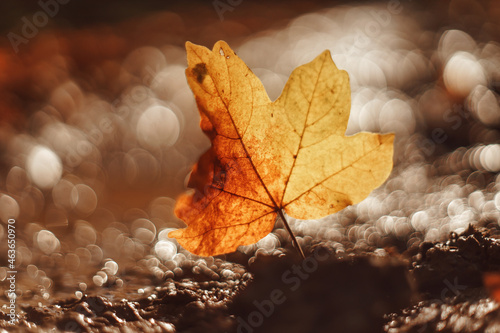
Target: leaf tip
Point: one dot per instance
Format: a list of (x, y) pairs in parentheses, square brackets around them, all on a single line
[(222, 48), (326, 53), (387, 138), (220, 44), (190, 46)]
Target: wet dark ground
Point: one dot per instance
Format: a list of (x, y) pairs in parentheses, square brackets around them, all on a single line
[(438, 288), (92, 248)]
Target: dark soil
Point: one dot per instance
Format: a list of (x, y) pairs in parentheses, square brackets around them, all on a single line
[(439, 288)]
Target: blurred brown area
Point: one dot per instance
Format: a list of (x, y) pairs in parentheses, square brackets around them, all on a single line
[(91, 33), (87, 41)]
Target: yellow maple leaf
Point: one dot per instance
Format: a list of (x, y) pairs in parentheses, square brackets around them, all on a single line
[(290, 155)]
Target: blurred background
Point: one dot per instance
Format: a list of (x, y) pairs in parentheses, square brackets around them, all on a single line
[(98, 128)]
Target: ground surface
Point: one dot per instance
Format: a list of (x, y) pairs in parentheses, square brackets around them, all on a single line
[(419, 255)]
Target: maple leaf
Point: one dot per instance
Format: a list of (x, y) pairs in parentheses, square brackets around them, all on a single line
[(269, 158)]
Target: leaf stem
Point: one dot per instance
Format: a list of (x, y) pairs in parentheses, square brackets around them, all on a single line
[(294, 240)]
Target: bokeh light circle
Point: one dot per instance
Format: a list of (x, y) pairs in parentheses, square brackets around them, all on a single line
[(44, 167), (158, 127)]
